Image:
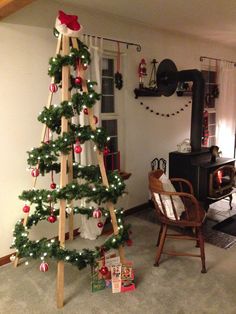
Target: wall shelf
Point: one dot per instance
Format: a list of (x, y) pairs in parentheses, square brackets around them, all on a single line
[(181, 93), (146, 92)]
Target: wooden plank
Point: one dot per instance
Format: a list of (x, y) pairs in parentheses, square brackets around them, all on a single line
[(63, 176), (60, 284), (70, 179), (8, 7)]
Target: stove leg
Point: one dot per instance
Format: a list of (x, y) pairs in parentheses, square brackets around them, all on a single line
[(230, 201)]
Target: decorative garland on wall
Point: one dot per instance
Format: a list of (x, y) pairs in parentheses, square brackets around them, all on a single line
[(167, 115)]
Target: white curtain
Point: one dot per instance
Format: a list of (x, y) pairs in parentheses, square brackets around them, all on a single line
[(226, 109), (88, 227)]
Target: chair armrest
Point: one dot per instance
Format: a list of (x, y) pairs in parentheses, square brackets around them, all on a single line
[(181, 182), (193, 211)]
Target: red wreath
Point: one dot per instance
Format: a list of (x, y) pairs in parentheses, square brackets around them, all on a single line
[(69, 20)]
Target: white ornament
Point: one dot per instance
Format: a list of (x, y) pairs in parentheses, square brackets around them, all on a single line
[(68, 210), (12, 258)]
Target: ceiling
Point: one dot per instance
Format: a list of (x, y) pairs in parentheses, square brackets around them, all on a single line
[(208, 19)]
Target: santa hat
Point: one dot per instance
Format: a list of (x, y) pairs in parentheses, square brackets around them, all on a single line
[(68, 25)]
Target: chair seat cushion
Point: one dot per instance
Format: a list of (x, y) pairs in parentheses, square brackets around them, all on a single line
[(179, 205)]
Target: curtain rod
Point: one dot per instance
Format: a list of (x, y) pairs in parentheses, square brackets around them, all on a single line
[(209, 58), (138, 46)]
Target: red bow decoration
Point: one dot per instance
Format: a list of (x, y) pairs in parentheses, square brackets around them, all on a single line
[(69, 20)]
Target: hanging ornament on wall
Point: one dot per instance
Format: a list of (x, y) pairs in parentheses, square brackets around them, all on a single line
[(167, 115), (153, 81), (142, 71), (118, 75)]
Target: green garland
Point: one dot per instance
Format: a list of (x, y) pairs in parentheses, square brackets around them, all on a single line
[(94, 192), (45, 158), (45, 248), (48, 153), (56, 63), (52, 116)]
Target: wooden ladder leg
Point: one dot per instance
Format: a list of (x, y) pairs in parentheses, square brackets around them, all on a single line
[(70, 179), (202, 250), (161, 245), (63, 176)]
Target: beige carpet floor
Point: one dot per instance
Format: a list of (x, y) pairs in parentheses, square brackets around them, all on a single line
[(177, 286)]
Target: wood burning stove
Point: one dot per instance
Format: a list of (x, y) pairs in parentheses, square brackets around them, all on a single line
[(211, 180)]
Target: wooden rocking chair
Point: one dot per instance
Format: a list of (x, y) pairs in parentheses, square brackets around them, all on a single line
[(166, 205)]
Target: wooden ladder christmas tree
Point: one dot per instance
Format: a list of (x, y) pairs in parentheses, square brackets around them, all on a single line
[(78, 96)]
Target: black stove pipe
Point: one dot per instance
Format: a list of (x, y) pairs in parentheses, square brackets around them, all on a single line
[(196, 77)]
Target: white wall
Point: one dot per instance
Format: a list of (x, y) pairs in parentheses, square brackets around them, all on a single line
[(26, 45)]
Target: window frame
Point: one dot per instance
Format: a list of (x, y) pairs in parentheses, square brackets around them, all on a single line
[(118, 110)]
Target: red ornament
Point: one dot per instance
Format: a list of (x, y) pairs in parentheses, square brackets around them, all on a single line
[(53, 88), (35, 172), (103, 270), (78, 80), (69, 20), (52, 219), (53, 185), (78, 149), (95, 119), (43, 267), (26, 209), (100, 224), (86, 111), (129, 242), (106, 151), (97, 213)]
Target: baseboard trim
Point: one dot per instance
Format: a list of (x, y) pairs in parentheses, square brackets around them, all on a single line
[(6, 259), (136, 209)]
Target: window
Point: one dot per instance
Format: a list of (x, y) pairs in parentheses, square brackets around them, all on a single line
[(109, 113), (211, 93)]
